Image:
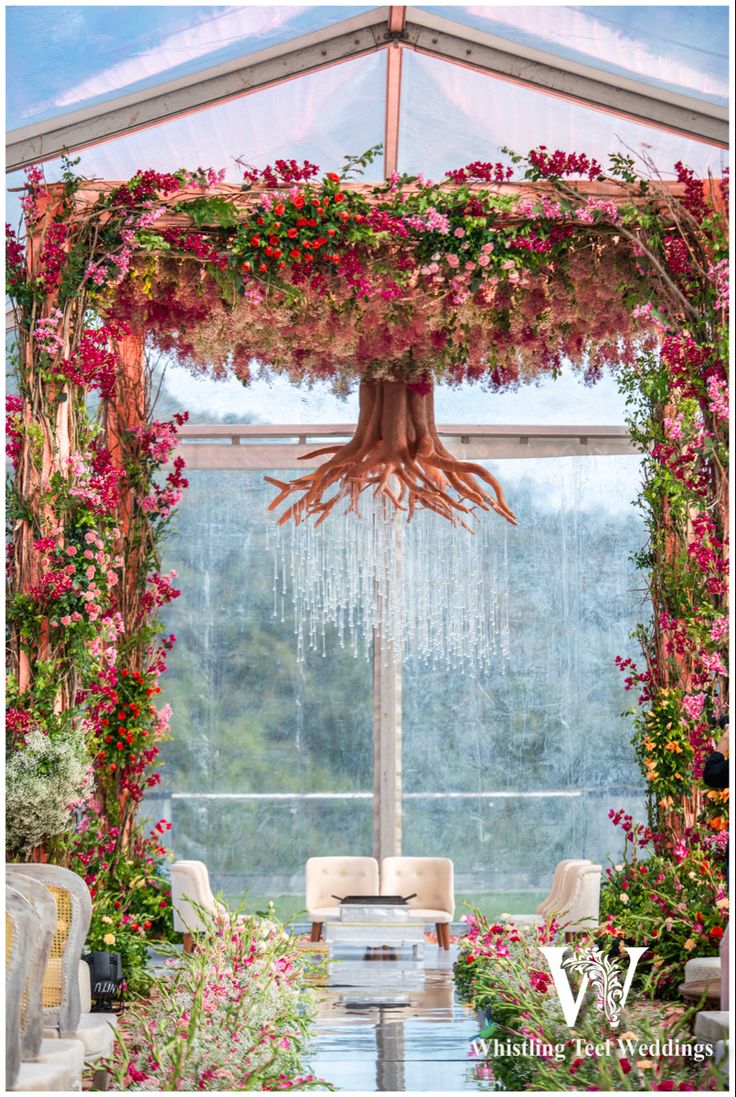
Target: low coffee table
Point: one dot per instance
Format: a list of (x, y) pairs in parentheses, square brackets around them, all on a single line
[(374, 926)]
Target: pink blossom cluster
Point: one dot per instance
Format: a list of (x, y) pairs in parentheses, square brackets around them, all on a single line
[(53, 254), (145, 185), (30, 200), (94, 479), (708, 552), (560, 164), (283, 172), (46, 334), (431, 220), (93, 365), (15, 258), (481, 171), (718, 275), (13, 428), (718, 397)]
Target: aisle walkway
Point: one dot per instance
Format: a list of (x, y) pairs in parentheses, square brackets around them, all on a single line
[(393, 1024)]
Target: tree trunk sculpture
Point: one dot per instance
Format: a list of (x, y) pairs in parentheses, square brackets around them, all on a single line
[(397, 451)]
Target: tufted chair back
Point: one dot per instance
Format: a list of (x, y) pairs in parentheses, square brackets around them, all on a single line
[(432, 878), (561, 884), (60, 1001), (330, 876), (583, 902), (44, 908)]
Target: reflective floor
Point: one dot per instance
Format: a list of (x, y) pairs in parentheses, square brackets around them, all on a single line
[(392, 1024)]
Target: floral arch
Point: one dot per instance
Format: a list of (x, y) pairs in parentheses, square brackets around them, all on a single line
[(393, 287)]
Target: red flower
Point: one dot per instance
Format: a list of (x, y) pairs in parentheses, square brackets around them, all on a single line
[(625, 1065), (298, 202), (292, 233), (339, 197), (716, 933), (333, 177), (255, 241)]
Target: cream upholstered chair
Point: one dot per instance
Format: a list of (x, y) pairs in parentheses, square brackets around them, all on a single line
[(432, 878), (327, 877), (582, 904), (61, 1002), (190, 889), (561, 883), (554, 903), (67, 1055)]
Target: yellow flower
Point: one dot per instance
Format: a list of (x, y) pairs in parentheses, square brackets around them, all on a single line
[(722, 904), (666, 802), (645, 1064), (106, 919), (674, 747), (109, 939), (624, 897), (689, 944), (678, 776)]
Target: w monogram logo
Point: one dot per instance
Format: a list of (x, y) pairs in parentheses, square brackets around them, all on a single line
[(598, 971)]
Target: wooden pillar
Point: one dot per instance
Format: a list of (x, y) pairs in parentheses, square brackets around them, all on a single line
[(387, 784)]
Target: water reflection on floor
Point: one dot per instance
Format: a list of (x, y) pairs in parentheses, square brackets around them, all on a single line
[(392, 1024)]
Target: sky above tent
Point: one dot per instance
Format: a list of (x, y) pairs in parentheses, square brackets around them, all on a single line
[(64, 58)]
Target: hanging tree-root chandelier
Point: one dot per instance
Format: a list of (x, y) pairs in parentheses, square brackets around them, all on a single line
[(397, 451)]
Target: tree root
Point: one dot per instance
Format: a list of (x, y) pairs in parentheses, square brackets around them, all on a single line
[(396, 451)]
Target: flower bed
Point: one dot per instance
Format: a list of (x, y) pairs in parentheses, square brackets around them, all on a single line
[(670, 897), (235, 1014), (525, 1042)]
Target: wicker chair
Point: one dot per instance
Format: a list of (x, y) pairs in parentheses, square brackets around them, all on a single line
[(21, 928), (67, 1055), (61, 1001)]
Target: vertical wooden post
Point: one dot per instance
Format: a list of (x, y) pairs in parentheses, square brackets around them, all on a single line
[(387, 783), (126, 411), (56, 447)]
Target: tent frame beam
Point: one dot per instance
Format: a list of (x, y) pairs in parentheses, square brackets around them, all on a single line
[(390, 28), (697, 119)]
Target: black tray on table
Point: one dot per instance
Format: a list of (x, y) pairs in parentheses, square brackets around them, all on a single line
[(375, 900)]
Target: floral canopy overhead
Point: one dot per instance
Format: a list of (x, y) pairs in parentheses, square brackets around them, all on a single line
[(396, 286)]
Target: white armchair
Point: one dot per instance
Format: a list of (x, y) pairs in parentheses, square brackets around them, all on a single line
[(561, 884), (190, 892), (582, 905), (432, 878), (326, 877)]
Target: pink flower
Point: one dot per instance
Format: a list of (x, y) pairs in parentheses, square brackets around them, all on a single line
[(453, 261), (693, 705)]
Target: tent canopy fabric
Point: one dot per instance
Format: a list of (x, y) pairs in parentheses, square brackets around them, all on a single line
[(164, 87)]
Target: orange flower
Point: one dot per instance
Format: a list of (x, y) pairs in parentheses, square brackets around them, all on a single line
[(674, 747)]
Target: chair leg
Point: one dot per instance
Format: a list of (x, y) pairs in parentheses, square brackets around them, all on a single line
[(316, 931), (100, 1080), (188, 942), (443, 934)]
